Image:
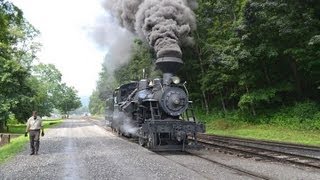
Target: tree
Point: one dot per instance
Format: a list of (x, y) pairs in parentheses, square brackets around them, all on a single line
[(141, 59), (49, 86), (96, 105), (250, 56), (106, 83), (13, 88), (16, 37), (216, 53), (67, 99), (282, 62)]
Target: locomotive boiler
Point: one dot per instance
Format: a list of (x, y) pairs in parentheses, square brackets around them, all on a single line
[(158, 112)]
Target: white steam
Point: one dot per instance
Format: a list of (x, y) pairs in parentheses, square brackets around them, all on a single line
[(116, 40), (124, 123)]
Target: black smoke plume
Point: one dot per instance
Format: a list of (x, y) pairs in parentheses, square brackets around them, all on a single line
[(164, 24)]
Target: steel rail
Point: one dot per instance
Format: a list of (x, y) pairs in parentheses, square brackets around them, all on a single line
[(243, 171), (239, 170), (262, 152), (264, 142), (229, 167)]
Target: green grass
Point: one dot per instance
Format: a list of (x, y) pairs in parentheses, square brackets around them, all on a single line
[(21, 128), (17, 144), (10, 150), (263, 132), (17, 129)]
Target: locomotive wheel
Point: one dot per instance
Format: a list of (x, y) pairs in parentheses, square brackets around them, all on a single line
[(142, 141), (151, 141), (119, 132)]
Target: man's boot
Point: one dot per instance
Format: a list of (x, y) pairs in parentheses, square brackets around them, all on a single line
[(32, 148), (37, 144)]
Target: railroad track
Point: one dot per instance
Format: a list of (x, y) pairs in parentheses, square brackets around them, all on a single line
[(291, 153), (252, 174), (295, 154), (247, 173)]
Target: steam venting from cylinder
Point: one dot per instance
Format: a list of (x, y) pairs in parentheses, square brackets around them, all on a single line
[(163, 24)]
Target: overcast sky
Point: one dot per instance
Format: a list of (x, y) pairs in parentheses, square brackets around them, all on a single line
[(66, 44)]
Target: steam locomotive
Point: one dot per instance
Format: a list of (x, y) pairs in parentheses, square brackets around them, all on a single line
[(158, 112)]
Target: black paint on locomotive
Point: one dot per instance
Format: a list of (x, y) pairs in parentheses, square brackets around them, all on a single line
[(159, 115)]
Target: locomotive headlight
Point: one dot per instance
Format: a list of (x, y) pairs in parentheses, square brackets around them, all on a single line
[(175, 79)]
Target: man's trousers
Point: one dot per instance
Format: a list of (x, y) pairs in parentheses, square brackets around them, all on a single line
[(34, 136)]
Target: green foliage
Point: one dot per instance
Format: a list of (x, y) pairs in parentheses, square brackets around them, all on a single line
[(106, 83), (67, 99), (303, 115), (17, 50), (51, 92), (46, 82), (262, 96), (104, 90), (12, 119), (254, 55), (96, 105), (288, 124), (305, 110), (251, 59), (141, 59), (299, 116)]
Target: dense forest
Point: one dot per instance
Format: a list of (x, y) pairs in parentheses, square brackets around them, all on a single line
[(252, 60), (26, 85)]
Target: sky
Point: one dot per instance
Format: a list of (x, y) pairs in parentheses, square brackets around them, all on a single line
[(66, 42)]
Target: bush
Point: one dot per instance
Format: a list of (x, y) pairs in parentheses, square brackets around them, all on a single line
[(305, 110), (300, 116), (316, 122), (12, 120)]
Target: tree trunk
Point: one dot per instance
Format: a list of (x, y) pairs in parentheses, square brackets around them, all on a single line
[(2, 126), (251, 105), (6, 126), (266, 73), (297, 78), (222, 102), (253, 110), (205, 102), (202, 73)]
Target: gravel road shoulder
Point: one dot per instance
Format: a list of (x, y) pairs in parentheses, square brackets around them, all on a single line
[(79, 149)]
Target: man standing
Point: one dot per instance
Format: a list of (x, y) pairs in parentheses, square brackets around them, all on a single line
[(34, 125)]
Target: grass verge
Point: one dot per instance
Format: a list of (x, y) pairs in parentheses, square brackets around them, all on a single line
[(17, 144), (263, 132), (9, 150)]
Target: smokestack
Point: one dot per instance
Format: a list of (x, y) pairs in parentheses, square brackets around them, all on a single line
[(169, 60)]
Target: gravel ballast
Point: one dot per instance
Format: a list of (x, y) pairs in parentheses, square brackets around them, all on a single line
[(79, 149)]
